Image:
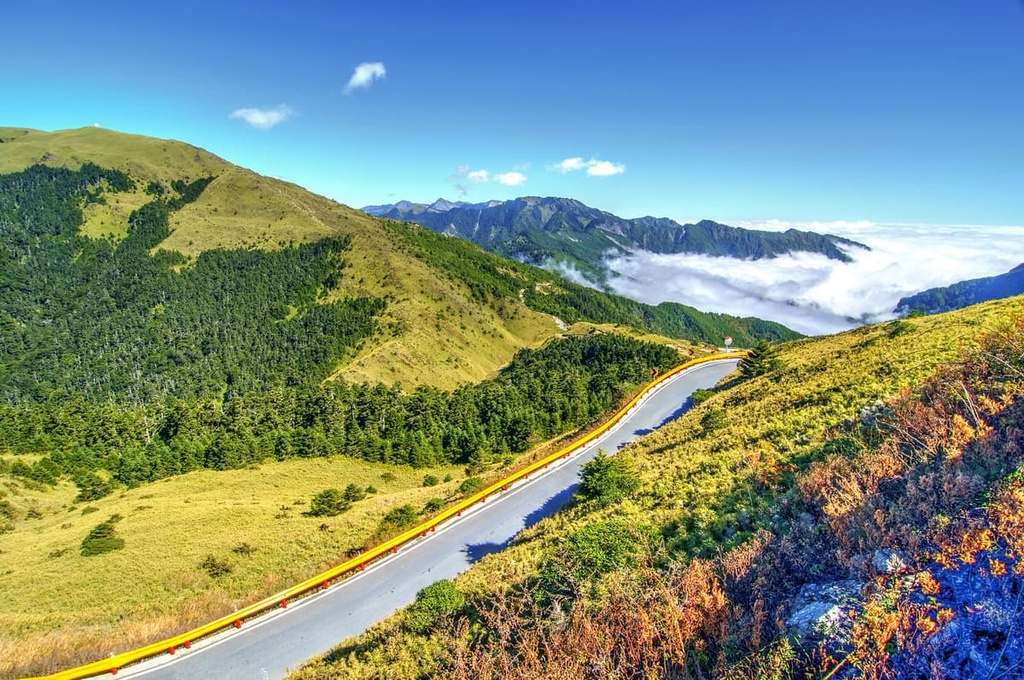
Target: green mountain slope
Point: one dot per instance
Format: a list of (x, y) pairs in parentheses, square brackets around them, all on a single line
[(964, 293), (431, 326), (538, 230), (860, 477)]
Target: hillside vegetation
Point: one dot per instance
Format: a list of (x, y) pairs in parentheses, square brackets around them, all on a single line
[(434, 330), (164, 315), (964, 293), (871, 477)]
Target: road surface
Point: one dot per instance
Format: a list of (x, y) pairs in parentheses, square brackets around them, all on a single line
[(271, 646)]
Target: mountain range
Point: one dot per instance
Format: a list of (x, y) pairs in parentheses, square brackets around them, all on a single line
[(541, 230), (964, 293)]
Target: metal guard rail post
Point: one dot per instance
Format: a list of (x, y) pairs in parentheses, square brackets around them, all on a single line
[(322, 581)]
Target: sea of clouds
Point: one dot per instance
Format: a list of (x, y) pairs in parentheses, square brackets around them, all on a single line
[(813, 294)]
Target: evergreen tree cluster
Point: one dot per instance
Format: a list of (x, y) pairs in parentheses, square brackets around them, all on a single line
[(110, 321), (542, 393)]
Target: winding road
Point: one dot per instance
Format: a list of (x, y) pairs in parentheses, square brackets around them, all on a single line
[(281, 641)]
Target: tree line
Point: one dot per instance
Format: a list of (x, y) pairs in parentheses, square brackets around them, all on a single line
[(542, 393)]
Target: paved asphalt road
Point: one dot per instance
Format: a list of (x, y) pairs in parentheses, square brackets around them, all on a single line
[(269, 647)]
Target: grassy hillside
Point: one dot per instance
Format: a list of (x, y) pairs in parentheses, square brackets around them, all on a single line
[(164, 314), (59, 608), (438, 329), (769, 484), (240, 209), (240, 534)]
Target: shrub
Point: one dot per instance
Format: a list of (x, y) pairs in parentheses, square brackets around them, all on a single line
[(701, 395), (398, 518), (246, 549), (608, 479), (103, 538), (92, 487), (714, 419), (328, 503), (436, 600), (214, 567), (600, 548), (471, 484), (355, 493), (433, 505), (430, 480)]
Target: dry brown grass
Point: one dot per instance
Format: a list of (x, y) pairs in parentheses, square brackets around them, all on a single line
[(58, 608)]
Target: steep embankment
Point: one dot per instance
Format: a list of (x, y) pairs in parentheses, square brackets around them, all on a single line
[(818, 487)]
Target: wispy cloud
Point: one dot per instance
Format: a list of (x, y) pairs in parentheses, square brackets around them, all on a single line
[(594, 167), (263, 119), (569, 165), (463, 174), (816, 295), (510, 179), (364, 75)]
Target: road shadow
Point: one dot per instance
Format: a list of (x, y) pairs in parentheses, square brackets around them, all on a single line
[(477, 551), (683, 408)]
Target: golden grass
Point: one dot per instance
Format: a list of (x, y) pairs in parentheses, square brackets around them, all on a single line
[(688, 475), (58, 608), (143, 158)]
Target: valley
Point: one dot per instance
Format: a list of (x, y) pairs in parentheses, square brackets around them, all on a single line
[(216, 384)]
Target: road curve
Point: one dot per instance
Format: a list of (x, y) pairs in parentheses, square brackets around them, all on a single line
[(271, 646)]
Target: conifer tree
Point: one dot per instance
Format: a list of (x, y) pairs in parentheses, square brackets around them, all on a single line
[(763, 358)]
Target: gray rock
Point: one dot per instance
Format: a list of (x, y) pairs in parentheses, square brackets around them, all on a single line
[(821, 611), (888, 562)]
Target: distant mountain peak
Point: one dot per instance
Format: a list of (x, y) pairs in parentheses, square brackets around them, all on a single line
[(541, 229), (442, 205)]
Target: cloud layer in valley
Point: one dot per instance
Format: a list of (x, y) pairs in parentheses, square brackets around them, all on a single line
[(813, 294)]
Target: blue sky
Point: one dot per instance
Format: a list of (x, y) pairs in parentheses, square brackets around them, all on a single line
[(893, 111)]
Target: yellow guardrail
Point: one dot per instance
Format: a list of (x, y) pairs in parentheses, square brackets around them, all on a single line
[(322, 581)]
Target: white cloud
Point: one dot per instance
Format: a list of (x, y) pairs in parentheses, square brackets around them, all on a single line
[(814, 294), (364, 75), (569, 164), (604, 168), (594, 167), (510, 179), (263, 119), (566, 270)]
